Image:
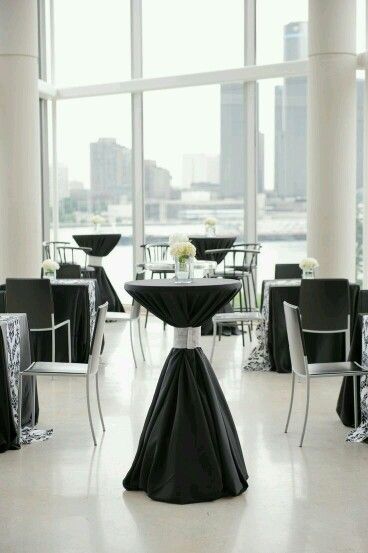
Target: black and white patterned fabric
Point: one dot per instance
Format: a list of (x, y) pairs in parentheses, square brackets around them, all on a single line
[(11, 326), (360, 434), (91, 283), (259, 358)]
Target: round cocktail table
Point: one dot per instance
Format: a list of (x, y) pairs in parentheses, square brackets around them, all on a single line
[(189, 449)]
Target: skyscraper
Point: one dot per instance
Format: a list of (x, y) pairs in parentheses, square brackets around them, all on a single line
[(200, 168), (110, 169), (291, 119)]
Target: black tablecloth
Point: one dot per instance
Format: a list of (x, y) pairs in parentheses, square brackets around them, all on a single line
[(189, 450), (320, 347), (107, 291), (203, 243), (8, 431), (101, 244)]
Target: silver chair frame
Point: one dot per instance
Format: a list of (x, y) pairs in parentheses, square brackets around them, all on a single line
[(52, 329), (244, 317)]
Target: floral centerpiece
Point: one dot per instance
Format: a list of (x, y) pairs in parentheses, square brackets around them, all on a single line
[(49, 268), (210, 226), (183, 253), (174, 238), (308, 266), (97, 221)]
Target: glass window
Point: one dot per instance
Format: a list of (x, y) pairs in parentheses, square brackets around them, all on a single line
[(92, 41), (281, 211), (194, 160), (360, 19), (188, 36), (282, 30), (359, 175), (94, 175)]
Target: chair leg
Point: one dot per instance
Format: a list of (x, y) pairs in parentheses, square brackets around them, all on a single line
[(145, 324), (242, 331), (53, 345), (291, 401), (249, 296), (219, 332), (355, 390), (34, 384), (131, 343), (69, 343), (99, 403), (254, 289), (306, 413), (213, 340), (140, 338), (250, 332), (20, 409), (89, 411)]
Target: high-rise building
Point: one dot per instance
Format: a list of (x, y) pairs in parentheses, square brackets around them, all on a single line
[(232, 156), (110, 169), (291, 119), (157, 181), (200, 168)]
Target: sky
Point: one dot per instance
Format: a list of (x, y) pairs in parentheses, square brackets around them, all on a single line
[(179, 36)]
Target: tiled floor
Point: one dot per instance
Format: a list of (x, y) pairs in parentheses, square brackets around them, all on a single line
[(65, 495)]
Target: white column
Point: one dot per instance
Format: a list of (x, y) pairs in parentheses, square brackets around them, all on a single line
[(20, 181), (332, 137)]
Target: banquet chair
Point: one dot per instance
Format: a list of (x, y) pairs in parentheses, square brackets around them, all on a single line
[(156, 253), (325, 307), (306, 371), (49, 249), (245, 317), (70, 255), (287, 270), (133, 316), (86, 370), (33, 296)]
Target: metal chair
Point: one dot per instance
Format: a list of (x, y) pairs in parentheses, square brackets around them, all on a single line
[(245, 317), (86, 370), (307, 371), (287, 270), (154, 253), (49, 249), (324, 305), (70, 254), (133, 316), (33, 296)]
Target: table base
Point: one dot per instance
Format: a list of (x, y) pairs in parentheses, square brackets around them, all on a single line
[(189, 449)]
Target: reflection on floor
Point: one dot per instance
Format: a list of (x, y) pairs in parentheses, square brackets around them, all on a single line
[(64, 495)]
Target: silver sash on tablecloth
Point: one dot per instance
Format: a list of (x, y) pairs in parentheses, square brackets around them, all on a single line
[(91, 283), (15, 335), (360, 434), (259, 358), (187, 338)]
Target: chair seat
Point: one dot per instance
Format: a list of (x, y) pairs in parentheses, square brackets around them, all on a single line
[(247, 316), (116, 316), (43, 367), (344, 368), (232, 274)]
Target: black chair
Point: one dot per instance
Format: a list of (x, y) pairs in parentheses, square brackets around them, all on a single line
[(306, 371), (287, 270), (33, 296), (325, 307), (69, 270)]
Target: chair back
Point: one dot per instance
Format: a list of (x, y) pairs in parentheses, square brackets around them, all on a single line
[(298, 356), (49, 249), (287, 270), (136, 307), (241, 259), (156, 252), (97, 338), (325, 304), (69, 270), (32, 296), (73, 254)]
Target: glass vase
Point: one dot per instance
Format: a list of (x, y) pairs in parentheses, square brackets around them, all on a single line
[(210, 230), (308, 273), (50, 275), (182, 270)]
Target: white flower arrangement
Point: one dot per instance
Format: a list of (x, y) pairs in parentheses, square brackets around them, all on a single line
[(174, 238), (210, 222), (182, 250), (50, 266), (97, 219), (308, 264)]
